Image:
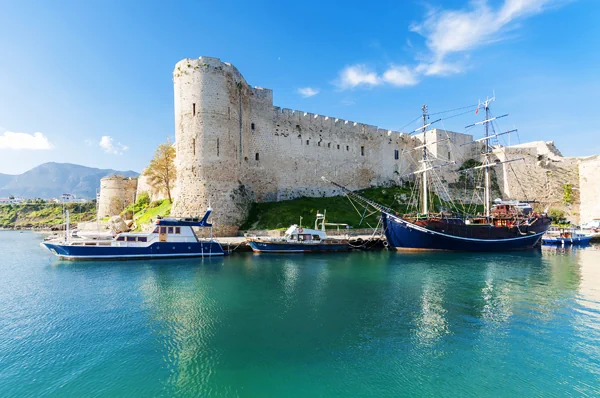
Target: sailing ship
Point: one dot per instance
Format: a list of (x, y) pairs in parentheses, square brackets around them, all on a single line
[(502, 226), (170, 238)]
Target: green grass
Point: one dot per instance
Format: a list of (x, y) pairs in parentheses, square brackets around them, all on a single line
[(44, 215), (274, 215), (145, 216)]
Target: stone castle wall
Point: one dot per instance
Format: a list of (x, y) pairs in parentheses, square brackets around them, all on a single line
[(540, 176), (589, 185), (234, 147), (116, 193)]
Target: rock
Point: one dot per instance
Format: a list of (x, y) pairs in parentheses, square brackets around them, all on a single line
[(117, 225)]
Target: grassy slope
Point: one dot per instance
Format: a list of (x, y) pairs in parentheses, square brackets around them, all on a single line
[(44, 215), (146, 215), (282, 214)]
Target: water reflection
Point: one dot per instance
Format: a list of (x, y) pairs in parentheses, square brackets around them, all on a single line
[(220, 325), (431, 322)]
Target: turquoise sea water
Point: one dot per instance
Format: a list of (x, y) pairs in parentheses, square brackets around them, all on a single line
[(373, 324)]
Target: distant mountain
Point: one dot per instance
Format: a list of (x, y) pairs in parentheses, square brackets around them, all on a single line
[(50, 180)]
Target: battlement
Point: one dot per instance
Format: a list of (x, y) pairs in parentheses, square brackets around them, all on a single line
[(316, 120)]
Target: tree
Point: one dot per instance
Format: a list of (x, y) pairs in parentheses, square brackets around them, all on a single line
[(161, 173)]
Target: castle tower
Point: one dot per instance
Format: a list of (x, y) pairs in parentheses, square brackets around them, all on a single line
[(116, 193), (211, 114)]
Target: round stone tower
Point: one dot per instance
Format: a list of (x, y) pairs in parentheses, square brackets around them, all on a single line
[(211, 113), (116, 193)]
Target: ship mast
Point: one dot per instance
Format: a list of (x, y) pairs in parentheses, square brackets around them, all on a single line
[(425, 209), (487, 157)]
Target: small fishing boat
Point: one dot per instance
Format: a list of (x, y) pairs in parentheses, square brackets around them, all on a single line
[(565, 236), (170, 238), (301, 240), (592, 228)]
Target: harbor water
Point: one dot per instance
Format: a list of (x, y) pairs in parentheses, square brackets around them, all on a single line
[(362, 324)]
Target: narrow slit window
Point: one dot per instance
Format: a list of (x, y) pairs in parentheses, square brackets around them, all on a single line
[(396, 154), (256, 156), (252, 126), (347, 148), (217, 147), (448, 155), (338, 146), (307, 142), (194, 109), (362, 151), (329, 145), (194, 145), (319, 143)]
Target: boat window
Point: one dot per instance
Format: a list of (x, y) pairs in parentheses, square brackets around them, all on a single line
[(121, 238), (90, 244), (294, 237), (142, 239), (307, 237), (131, 239), (163, 230), (316, 237), (300, 237), (170, 230), (155, 230), (177, 230)]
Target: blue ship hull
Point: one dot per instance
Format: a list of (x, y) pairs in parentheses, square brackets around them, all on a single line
[(403, 235), (157, 250), (267, 247), (581, 241)]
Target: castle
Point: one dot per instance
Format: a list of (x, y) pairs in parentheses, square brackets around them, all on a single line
[(234, 147)]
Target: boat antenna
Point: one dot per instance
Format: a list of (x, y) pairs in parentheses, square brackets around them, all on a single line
[(425, 209)]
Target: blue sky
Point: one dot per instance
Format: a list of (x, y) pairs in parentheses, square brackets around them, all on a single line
[(90, 82)]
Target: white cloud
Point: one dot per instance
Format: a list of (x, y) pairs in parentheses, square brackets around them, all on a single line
[(357, 75), (108, 144), (400, 76), (16, 141), (308, 91), (449, 36), (451, 32)]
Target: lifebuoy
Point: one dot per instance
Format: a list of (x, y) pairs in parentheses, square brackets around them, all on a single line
[(300, 230)]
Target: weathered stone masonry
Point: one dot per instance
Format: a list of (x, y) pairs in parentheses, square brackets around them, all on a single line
[(235, 147)]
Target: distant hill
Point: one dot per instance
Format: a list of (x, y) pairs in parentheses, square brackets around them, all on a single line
[(50, 180)]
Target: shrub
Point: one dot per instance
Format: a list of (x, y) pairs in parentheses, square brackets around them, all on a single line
[(156, 203)]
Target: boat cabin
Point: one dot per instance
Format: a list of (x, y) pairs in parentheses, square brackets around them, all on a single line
[(295, 233)]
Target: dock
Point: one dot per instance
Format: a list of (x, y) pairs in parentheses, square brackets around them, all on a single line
[(238, 244)]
